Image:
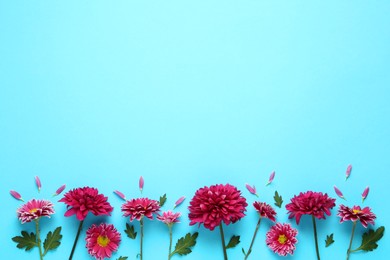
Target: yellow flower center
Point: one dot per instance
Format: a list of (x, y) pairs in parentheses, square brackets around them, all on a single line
[(33, 210), (103, 241), (282, 239), (356, 211)]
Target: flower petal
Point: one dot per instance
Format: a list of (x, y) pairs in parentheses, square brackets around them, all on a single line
[(179, 201), (348, 171), (271, 178), (141, 183), (38, 182), (59, 190), (365, 193), (120, 194), (251, 189), (16, 195), (338, 192)]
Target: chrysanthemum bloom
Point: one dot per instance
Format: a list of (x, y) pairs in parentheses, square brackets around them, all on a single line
[(102, 240), (356, 213), (138, 208), (265, 210), (281, 239), (212, 205), (35, 209), (169, 218), (81, 201)]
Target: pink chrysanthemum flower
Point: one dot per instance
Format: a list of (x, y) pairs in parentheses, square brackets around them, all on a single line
[(169, 217), (137, 208), (281, 239), (312, 203), (81, 201), (265, 210), (35, 209), (356, 213), (102, 240), (212, 205)]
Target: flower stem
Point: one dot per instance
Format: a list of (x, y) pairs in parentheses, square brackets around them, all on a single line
[(223, 242), (315, 236), (76, 239), (141, 223), (253, 239), (350, 242), (38, 238), (170, 241)]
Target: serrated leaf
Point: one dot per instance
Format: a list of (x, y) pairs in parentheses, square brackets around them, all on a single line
[(233, 242), (122, 258), (278, 199), (52, 240), (370, 239), (329, 240), (163, 199), (26, 241), (184, 244), (130, 231)]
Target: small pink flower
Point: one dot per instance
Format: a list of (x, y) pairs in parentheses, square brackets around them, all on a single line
[(265, 210), (120, 194), (59, 190), (251, 189), (348, 171), (281, 239), (35, 209), (365, 193), (139, 208), (141, 183), (16, 195), (102, 240), (338, 192), (38, 182), (169, 217), (271, 178), (179, 201), (356, 213)]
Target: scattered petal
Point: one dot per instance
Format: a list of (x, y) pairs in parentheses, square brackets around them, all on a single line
[(365, 193), (251, 189), (271, 178), (59, 190), (16, 195), (38, 182), (120, 194), (339, 193), (141, 183), (179, 201), (348, 172)]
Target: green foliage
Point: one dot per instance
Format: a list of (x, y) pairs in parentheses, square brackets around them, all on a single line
[(329, 240), (52, 240), (27, 241), (278, 199), (233, 242), (370, 239), (163, 199), (122, 258), (184, 244), (130, 231)]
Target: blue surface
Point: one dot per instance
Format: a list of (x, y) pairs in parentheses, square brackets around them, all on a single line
[(189, 94)]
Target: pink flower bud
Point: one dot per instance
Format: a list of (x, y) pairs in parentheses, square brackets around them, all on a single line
[(16, 195), (348, 171), (338, 192), (38, 182), (271, 178), (179, 201), (365, 193), (120, 194), (251, 189), (59, 190), (141, 183)]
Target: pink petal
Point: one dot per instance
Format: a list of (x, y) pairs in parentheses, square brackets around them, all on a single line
[(38, 182), (141, 183), (271, 178), (251, 189), (365, 193), (120, 194), (338, 192), (348, 172), (59, 190), (179, 201), (16, 195)]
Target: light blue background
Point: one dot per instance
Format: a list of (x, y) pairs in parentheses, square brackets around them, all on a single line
[(194, 93)]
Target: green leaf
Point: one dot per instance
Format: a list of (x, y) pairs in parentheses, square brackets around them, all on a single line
[(130, 231), (243, 251), (184, 244), (370, 239), (122, 258), (52, 240), (233, 242), (163, 199), (278, 200), (27, 241), (329, 240)]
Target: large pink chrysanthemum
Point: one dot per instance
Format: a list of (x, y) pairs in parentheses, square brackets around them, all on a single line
[(35, 209), (356, 213), (81, 201), (212, 205), (312, 203), (102, 240), (137, 208), (281, 239), (265, 210), (169, 218)]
